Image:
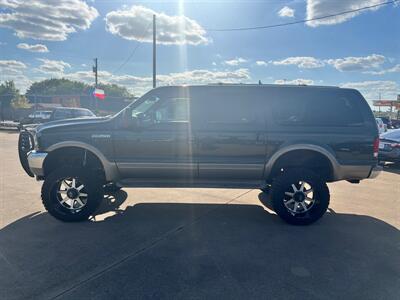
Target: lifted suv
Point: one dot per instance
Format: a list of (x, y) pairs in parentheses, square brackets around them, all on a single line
[(286, 140)]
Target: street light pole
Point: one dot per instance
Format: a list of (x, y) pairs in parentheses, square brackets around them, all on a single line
[(95, 72), (154, 51)]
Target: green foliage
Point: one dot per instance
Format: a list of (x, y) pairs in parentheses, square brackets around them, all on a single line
[(61, 87), (114, 90), (56, 87), (8, 91), (20, 101)]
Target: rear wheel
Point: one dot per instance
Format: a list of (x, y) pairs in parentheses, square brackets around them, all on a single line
[(299, 196), (71, 194)]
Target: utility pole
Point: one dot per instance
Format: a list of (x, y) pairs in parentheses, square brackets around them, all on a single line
[(154, 51), (95, 72), (95, 81)]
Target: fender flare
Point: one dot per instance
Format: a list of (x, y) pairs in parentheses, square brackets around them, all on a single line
[(274, 158), (110, 168)]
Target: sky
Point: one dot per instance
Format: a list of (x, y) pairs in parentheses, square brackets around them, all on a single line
[(42, 39)]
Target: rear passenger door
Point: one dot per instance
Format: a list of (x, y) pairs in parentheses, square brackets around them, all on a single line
[(231, 133)]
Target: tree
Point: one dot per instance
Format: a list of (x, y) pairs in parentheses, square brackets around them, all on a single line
[(68, 91), (62, 87), (55, 87), (8, 91), (20, 101), (113, 90)]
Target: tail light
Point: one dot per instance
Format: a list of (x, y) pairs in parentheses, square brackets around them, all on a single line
[(395, 145), (376, 147)]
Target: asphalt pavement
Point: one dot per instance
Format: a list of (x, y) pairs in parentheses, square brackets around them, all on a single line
[(198, 244)]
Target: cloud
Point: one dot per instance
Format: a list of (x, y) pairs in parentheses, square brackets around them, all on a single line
[(11, 67), (33, 48), (14, 70), (303, 62), (261, 63), (371, 90), (394, 69), (357, 63), (320, 8), (52, 66), (235, 62), (140, 84), (134, 23), (286, 12), (46, 20), (298, 81)]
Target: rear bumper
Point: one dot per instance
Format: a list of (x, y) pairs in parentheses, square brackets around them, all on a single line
[(393, 155), (375, 171), (357, 172), (35, 162)]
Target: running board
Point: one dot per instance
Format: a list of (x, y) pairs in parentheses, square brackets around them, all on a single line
[(130, 183)]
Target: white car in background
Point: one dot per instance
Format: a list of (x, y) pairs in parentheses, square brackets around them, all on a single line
[(381, 125)]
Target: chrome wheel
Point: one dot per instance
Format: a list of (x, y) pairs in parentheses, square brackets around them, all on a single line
[(299, 199), (71, 194)]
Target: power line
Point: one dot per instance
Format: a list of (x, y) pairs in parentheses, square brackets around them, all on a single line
[(304, 20), (132, 53)]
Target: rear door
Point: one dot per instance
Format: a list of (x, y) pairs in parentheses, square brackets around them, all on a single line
[(231, 133)]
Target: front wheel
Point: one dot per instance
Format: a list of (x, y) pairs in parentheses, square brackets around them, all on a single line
[(299, 196), (71, 194)]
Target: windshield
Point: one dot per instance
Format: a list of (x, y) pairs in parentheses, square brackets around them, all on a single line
[(392, 135)]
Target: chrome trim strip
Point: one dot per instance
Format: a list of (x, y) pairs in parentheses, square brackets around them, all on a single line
[(172, 165)]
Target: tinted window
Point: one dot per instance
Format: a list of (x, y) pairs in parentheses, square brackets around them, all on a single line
[(317, 109), (230, 110), (144, 106), (172, 110)]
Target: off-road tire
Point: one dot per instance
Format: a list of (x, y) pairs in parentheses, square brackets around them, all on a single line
[(283, 183), (93, 189)]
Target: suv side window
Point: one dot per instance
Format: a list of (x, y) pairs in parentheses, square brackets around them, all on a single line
[(230, 111), (172, 110), (317, 109)]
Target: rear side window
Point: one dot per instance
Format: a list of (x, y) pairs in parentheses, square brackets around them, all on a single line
[(230, 110), (317, 109)]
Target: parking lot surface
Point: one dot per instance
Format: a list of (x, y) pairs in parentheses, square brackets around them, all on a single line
[(198, 244)]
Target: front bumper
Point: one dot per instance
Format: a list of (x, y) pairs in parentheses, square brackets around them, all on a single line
[(35, 162)]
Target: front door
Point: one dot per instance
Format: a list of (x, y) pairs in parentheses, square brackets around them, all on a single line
[(160, 146)]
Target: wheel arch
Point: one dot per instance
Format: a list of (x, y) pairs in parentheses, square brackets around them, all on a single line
[(109, 168), (285, 156)]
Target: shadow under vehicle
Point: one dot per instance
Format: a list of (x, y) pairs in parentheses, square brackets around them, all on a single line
[(185, 250)]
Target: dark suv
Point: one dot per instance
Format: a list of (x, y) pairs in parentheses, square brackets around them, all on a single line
[(288, 141)]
